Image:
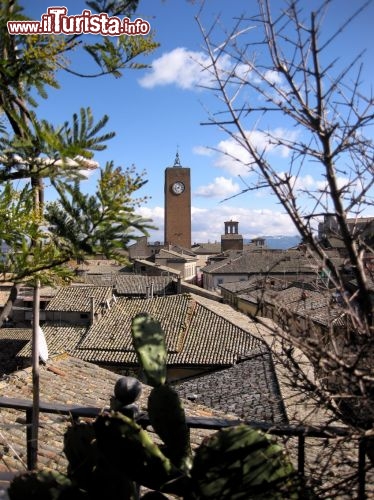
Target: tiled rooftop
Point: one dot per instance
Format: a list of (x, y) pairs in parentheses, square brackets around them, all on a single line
[(158, 268), (299, 406), (195, 335), (64, 380), (207, 248), (71, 381), (78, 298), (173, 255), (130, 284), (216, 248), (306, 303), (61, 339), (12, 340), (238, 286), (46, 292), (249, 389), (181, 250), (266, 261), (135, 284), (261, 261), (99, 266), (105, 279)]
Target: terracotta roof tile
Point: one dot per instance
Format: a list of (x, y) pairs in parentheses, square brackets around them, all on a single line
[(104, 279), (11, 341), (212, 340), (239, 286), (113, 330), (194, 334), (99, 267), (266, 261), (249, 389), (78, 298), (60, 339), (306, 303), (135, 284), (64, 380)]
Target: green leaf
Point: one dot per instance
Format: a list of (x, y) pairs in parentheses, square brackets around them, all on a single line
[(168, 419), (129, 450), (149, 343), (241, 462), (46, 485)]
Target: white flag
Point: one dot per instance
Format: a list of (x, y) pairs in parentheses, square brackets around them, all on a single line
[(43, 348)]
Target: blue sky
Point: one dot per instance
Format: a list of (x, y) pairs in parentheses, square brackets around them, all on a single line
[(156, 110)]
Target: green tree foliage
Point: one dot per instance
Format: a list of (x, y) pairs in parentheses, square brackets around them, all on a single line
[(29, 65), (31, 247), (54, 152), (32, 149), (32, 62), (100, 223)]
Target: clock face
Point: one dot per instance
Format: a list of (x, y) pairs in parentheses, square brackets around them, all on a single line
[(177, 187)]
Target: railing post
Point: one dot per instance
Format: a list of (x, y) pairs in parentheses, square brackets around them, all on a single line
[(35, 377), (361, 469), (301, 455), (29, 443)]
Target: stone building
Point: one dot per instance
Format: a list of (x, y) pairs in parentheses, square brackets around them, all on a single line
[(231, 240)]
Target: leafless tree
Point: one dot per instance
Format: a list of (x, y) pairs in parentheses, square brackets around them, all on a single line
[(280, 63)]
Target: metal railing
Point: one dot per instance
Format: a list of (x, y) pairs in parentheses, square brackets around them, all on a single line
[(301, 432)]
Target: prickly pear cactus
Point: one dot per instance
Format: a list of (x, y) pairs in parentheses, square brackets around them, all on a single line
[(167, 417), (111, 457), (80, 450), (46, 485), (149, 343), (240, 462), (129, 450)]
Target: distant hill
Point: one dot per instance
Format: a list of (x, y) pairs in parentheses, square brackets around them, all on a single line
[(280, 242)]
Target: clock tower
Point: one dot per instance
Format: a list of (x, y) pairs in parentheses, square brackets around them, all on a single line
[(177, 205)]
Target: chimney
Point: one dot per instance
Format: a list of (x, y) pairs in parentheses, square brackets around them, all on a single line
[(179, 285), (152, 289), (147, 292), (92, 310)]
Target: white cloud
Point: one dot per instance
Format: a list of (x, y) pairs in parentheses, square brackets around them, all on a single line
[(273, 77), (270, 77), (208, 223), (341, 182), (221, 187), (184, 68), (235, 158), (202, 151), (181, 67), (155, 214), (300, 183)]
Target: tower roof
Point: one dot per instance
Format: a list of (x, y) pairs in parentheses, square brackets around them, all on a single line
[(177, 162)]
